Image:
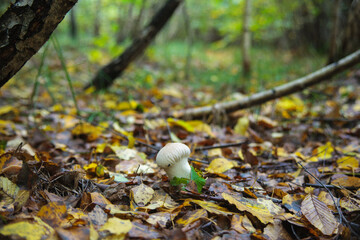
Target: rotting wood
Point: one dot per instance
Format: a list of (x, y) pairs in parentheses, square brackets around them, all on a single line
[(276, 92)]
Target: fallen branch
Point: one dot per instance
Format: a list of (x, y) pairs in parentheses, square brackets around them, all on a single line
[(280, 91)]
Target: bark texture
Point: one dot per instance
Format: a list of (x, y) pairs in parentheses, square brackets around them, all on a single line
[(280, 91), (107, 74), (24, 28)]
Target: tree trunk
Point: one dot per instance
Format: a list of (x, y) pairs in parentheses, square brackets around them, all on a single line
[(277, 92), (351, 38), (335, 32), (24, 28), (107, 74), (246, 44), (73, 25)]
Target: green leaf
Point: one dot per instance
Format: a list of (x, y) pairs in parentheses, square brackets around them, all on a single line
[(195, 176), (178, 181), (200, 181)]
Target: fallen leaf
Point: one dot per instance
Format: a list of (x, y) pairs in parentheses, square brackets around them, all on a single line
[(220, 165), (348, 163), (212, 207), (318, 214), (53, 214), (141, 194), (11, 194), (117, 227), (192, 216), (263, 209), (28, 230), (242, 224)]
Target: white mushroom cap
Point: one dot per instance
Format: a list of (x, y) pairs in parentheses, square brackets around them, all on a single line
[(173, 158)]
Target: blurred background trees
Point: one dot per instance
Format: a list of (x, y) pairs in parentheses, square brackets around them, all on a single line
[(288, 38)]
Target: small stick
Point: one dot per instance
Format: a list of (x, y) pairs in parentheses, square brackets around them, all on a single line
[(221, 146), (328, 186)]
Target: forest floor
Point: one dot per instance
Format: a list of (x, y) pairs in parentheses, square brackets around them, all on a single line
[(287, 169)]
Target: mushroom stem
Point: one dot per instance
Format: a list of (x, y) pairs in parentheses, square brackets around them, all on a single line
[(181, 169)]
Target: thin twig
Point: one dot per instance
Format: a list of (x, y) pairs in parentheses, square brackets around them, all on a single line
[(328, 186), (226, 145), (331, 195)]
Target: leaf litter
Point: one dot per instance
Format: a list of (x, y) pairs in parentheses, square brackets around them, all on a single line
[(287, 170)]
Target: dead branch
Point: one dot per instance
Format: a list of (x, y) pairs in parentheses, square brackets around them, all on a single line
[(277, 92)]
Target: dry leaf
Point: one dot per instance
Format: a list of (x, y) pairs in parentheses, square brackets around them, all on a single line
[(53, 214), (117, 227), (141, 194), (211, 207), (263, 209), (192, 216), (318, 214), (220, 165)]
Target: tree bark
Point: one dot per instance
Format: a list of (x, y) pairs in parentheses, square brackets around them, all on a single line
[(246, 45), (335, 32), (277, 92), (107, 74), (351, 38), (24, 28)]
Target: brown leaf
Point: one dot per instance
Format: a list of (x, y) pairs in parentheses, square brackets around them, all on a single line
[(318, 214), (97, 216), (53, 214)]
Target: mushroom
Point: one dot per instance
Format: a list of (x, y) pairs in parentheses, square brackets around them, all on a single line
[(173, 158)]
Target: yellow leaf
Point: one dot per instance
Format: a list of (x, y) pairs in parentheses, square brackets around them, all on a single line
[(90, 167), (129, 105), (242, 126), (141, 194), (192, 217), (348, 163), (117, 226), (131, 140), (92, 132), (212, 207), (123, 152), (324, 151), (200, 126), (350, 204), (181, 123), (263, 209), (10, 193), (215, 152), (53, 213), (57, 108), (110, 104), (7, 108), (242, 224), (27, 230), (100, 147), (99, 199), (220, 165)]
